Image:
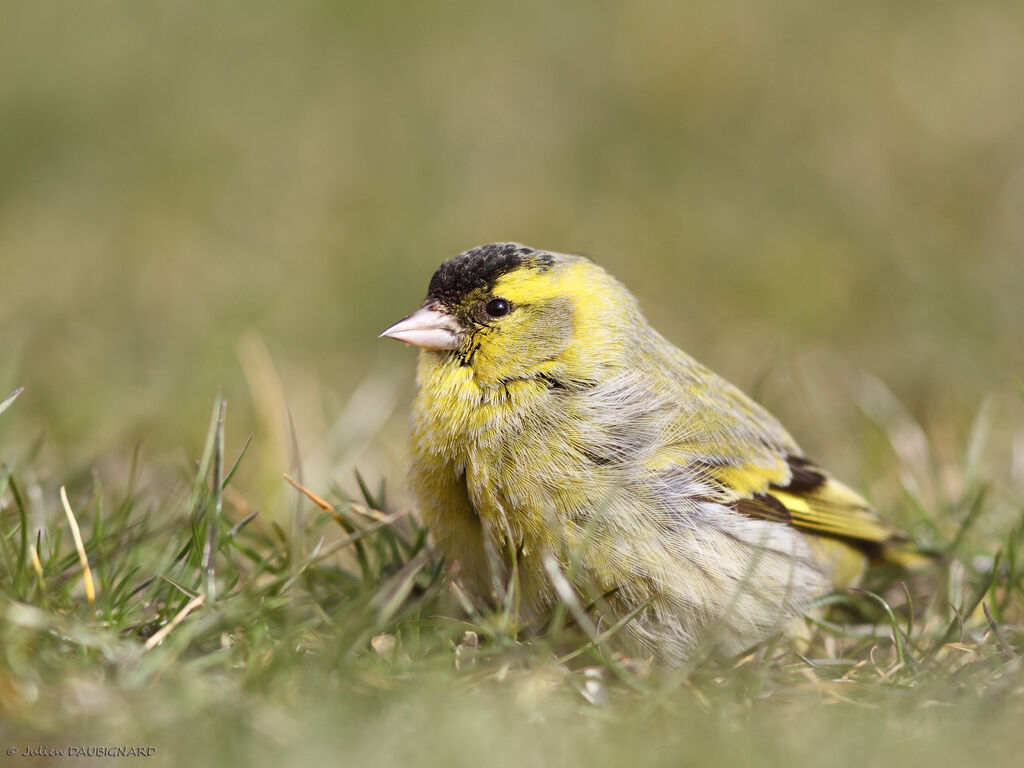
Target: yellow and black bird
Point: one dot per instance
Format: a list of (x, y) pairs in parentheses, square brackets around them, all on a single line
[(556, 432)]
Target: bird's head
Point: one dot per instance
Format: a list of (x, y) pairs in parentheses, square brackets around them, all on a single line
[(510, 312)]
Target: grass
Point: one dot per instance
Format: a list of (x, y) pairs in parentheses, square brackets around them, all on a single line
[(191, 624)]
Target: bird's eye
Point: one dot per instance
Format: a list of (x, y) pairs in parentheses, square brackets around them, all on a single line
[(497, 308)]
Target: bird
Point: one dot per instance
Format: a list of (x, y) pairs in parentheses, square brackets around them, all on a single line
[(558, 439)]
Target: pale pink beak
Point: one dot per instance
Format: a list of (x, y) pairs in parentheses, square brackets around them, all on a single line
[(429, 328)]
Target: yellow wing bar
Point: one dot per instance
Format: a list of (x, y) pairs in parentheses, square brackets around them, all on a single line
[(813, 501)]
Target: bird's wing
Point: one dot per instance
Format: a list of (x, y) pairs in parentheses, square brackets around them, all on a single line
[(812, 500), (752, 463)]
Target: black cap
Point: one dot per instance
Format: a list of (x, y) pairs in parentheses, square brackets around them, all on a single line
[(479, 269)]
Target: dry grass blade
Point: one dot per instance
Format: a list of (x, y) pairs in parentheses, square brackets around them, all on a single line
[(7, 401), (90, 589), (180, 616), (325, 505)]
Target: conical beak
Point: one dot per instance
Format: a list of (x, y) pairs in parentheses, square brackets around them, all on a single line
[(429, 328)]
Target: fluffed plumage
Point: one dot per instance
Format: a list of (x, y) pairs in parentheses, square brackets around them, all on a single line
[(554, 424)]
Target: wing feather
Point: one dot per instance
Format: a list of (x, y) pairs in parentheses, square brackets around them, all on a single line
[(825, 506), (753, 464)]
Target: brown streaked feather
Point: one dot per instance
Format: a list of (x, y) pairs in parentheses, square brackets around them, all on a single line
[(804, 476), (766, 506)]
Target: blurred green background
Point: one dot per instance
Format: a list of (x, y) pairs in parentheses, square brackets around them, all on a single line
[(242, 195)]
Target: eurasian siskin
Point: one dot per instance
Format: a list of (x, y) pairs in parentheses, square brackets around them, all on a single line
[(558, 439)]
